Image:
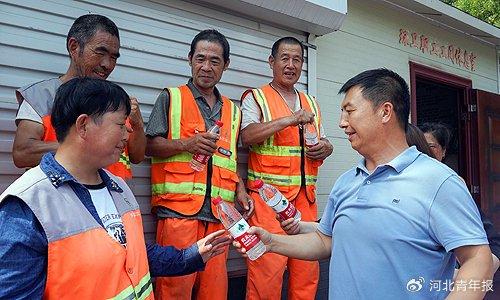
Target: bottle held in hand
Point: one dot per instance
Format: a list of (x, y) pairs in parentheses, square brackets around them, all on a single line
[(238, 227), (199, 161), (310, 135), (275, 199)]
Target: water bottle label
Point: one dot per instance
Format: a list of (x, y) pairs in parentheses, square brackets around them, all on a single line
[(312, 142), (311, 136), (239, 232), (289, 212), (282, 206), (201, 158)]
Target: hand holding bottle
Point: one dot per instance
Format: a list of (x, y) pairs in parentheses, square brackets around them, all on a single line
[(203, 143), (302, 117), (238, 228), (200, 159)]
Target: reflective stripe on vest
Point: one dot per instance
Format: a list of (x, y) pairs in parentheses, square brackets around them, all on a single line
[(281, 180), (278, 159), (140, 292), (168, 189)]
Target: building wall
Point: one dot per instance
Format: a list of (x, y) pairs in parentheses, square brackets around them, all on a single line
[(369, 39), (155, 38)]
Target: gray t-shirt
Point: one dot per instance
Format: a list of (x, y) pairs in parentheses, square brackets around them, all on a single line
[(158, 126)]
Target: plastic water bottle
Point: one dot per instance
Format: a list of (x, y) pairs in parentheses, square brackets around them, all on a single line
[(275, 199), (310, 135), (199, 161), (238, 227)]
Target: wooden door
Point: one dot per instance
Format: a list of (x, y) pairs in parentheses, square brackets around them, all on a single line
[(488, 161), (488, 152)]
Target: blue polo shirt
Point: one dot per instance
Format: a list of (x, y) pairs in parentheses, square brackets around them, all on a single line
[(394, 229)]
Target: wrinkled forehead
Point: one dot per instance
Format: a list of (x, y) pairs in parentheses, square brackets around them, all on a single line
[(105, 39), (208, 48), (286, 48)]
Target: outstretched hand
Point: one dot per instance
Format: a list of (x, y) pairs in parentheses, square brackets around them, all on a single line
[(213, 244), (263, 235)]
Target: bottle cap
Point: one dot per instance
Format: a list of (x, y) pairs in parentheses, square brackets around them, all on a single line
[(219, 123), (258, 183), (216, 200)]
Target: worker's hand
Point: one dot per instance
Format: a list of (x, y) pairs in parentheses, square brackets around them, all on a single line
[(264, 236), (290, 226), (320, 151), (135, 116), (244, 200), (202, 143), (213, 244), (302, 117)]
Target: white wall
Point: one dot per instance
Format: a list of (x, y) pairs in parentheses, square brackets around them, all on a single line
[(369, 39)]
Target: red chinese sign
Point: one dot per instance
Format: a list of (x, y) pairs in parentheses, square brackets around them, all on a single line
[(456, 55)]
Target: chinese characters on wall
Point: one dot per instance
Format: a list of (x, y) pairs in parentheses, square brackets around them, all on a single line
[(455, 54)]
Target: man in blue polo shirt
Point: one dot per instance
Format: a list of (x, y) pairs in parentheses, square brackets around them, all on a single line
[(396, 222)]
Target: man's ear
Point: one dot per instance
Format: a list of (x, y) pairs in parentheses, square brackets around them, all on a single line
[(73, 48), (226, 64), (81, 125), (386, 111), (189, 60), (270, 60)]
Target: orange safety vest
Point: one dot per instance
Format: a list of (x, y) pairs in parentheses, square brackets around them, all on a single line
[(44, 108), (281, 160), (174, 184), (83, 261)]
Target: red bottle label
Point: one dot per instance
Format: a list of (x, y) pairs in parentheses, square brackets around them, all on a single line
[(201, 158), (247, 241), (289, 212), (282, 206), (239, 233)]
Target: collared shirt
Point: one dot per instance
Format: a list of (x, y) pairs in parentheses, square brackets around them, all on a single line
[(158, 126), (394, 229), (23, 243)]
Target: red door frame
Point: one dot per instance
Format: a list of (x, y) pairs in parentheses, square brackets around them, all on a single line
[(418, 70), (465, 128)]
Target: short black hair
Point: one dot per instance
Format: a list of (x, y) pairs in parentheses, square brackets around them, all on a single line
[(86, 26), (213, 36), (440, 132), (383, 85), (290, 40), (90, 96), (415, 137)]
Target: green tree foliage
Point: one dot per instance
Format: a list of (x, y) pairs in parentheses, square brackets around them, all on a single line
[(486, 10)]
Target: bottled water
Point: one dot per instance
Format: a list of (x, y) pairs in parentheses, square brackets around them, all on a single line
[(310, 135), (199, 161), (275, 199), (238, 227)]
